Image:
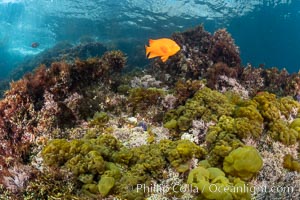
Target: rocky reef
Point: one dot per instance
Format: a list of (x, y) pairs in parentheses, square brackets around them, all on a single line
[(199, 126)]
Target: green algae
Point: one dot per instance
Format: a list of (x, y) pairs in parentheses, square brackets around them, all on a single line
[(213, 184), (248, 109), (184, 122), (206, 104), (172, 124), (105, 184), (279, 130), (290, 163), (248, 120), (296, 126), (51, 184), (288, 106), (222, 140), (105, 164), (235, 116), (268, 106), (243, 162), (141, 98), (99, 119)]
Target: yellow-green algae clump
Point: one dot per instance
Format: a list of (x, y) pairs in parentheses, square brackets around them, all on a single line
[(290, 163), (206, 104), (243, 162), (209, 105), (141, 98), (104, 166), (213, 184), (236, 119), (244, 118)]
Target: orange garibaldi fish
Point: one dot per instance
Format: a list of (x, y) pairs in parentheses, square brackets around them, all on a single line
[(163, 47)]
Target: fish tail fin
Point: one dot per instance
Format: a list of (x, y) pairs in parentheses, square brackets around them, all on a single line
[(147, 50)]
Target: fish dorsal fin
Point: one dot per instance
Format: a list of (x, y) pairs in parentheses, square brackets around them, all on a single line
[(150, 41), (164, 49)]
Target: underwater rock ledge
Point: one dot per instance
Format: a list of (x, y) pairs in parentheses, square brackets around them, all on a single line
[(87, 130)]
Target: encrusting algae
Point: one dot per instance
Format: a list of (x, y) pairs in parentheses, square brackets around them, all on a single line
[(200, 126)]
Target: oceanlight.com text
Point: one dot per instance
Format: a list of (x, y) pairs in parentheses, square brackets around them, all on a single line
[(250, 189), (213, 188)]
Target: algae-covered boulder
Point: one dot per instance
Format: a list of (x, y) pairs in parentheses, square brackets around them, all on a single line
[(243, 162)]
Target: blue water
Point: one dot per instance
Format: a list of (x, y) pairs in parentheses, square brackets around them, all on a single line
[(267, 31)]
